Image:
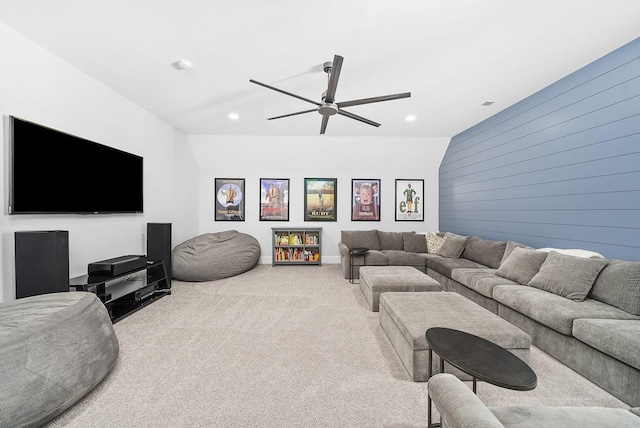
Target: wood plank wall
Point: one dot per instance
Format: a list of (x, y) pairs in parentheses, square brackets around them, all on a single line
[(559, 169)]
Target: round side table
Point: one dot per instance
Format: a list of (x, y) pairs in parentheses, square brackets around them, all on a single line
[(357, 251)]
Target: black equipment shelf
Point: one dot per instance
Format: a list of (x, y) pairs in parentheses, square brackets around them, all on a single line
[(128, 292)]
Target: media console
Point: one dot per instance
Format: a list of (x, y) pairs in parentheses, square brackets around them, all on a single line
[(127, 292)]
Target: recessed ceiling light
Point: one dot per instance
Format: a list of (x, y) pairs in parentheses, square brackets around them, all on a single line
[(233, 116), (410, 118)]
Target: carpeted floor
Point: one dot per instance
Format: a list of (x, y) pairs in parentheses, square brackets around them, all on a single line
[(284, 346)]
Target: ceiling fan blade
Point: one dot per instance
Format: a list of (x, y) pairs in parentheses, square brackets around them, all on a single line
[(285, 92), (356, 117), (374, 99), (336, 66), (292, 114), (323, 127)]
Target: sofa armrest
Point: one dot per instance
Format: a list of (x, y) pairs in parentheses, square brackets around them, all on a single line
[(345, 259), (458, 405)]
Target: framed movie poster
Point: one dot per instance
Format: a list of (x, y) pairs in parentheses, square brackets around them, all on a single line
[(274, 199), (320, 201), (409, 197), (229, 203), (365, 200)]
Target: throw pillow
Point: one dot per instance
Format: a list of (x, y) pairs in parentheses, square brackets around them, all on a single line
[(619, 285), (484, 251), (567, 276), (521, 265), (434, 242), (415, 242), (509, 248), (453, 246)]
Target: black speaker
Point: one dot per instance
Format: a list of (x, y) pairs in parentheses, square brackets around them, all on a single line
[(159, 245), (42, 262)]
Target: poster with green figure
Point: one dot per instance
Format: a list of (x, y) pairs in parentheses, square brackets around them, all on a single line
[(409, 200)]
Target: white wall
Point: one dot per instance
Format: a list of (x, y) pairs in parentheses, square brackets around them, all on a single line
[(40, 87), (297, 158)]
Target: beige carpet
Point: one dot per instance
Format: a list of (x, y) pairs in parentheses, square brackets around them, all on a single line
[(284, 346)]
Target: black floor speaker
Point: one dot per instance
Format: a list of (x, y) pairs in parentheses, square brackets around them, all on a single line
[(159, 244), (42, 262)]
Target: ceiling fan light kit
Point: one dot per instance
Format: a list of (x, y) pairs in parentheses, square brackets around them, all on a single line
[(329, 107)]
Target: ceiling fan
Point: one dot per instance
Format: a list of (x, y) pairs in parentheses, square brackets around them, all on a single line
[(328, 106)]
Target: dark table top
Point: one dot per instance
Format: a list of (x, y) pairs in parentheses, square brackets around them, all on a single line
[(358, 250), (481, 359)]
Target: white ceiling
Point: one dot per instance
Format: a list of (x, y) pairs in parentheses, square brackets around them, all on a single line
[(452, 55)]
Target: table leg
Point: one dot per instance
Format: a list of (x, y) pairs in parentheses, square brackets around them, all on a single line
[(351, 269), (430, 373)]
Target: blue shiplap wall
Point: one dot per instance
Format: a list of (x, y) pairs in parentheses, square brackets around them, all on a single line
[(560, 168)]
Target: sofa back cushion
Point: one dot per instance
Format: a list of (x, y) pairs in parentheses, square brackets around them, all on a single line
[(415, 242), (619, 285), (522, 265), (390, 240), (568, 276), (360, 238), (484, 251)]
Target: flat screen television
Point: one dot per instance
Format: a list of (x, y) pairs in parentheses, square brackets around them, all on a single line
[(52, 172)]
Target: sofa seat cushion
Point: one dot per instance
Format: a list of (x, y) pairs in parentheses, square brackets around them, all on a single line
[(617, 338), (552, 310), (480, 280), (360, 238), (403, 258), (374, 258), (566, 417), (445, 266), (484, 251)]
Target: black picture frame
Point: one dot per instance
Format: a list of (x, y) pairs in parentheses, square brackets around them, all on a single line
[(229, 199), (365, 199), (409, 204), (320, 199), (274, 199)]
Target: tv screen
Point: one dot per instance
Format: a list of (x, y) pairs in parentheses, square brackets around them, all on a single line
[(56, 173)]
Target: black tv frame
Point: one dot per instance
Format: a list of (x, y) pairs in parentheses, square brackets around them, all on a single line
[(60, 173)]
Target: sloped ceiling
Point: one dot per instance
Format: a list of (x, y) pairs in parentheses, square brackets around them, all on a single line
[(452, 55)]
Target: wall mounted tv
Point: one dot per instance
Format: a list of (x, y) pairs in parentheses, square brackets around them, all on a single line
[(52, 172)]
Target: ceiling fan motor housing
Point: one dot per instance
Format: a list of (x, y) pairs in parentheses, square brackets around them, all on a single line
[(328, 109)]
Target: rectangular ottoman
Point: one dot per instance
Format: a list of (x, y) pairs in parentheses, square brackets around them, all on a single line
[(375, 280), (405, 318)]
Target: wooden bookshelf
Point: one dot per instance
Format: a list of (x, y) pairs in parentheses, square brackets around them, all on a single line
[(299, 246)]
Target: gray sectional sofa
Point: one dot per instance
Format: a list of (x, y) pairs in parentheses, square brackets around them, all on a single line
[(460, 407), (583, 311)]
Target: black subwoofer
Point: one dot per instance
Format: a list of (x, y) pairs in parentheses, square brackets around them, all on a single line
[(159, 245), (42, 262)]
